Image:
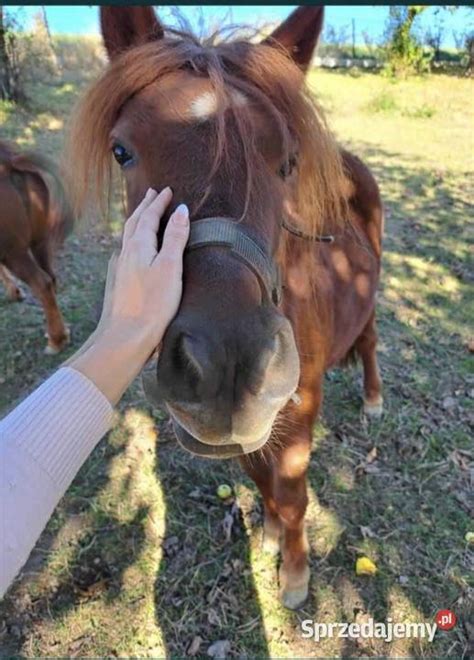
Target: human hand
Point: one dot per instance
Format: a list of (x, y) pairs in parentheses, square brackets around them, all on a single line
[(142, 295), (144, 287)]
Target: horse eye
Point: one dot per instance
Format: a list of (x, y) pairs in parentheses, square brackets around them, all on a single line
[(287, 168), (121, 155)]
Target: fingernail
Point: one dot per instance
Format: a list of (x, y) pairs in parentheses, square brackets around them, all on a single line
[(181, 215), (166, 189), (150, 192)]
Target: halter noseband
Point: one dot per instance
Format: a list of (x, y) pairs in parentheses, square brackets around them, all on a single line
[(226, 232)]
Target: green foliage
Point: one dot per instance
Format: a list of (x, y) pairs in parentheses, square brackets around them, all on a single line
[(405, 54), (25, 57), (424, 111), (385, 102), (382, 102)]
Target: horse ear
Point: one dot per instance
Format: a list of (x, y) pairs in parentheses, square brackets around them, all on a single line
[(124, 27), (299, 34)]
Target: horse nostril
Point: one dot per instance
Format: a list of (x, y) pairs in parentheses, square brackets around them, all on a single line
[(191, 356), (267, 357)]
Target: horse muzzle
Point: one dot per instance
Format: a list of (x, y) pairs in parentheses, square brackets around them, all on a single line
[(205, 450)]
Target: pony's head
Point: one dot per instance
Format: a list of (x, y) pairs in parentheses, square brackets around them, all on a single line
[(232, 129)]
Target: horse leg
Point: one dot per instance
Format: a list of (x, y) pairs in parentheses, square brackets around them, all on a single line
[(281, 478), (366, 346), (13, 292), (291, 501), (42, 254), (260, 469), (289, 489), (24, 266)]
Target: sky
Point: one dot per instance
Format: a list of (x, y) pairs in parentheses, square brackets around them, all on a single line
[(370, 19)]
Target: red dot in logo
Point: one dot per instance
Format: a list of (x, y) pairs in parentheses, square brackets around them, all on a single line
[(445, 619)]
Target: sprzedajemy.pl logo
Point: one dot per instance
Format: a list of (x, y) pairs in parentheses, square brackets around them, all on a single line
[(388, 630)]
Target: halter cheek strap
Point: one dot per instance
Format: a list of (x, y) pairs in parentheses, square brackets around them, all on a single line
[(307, 237)]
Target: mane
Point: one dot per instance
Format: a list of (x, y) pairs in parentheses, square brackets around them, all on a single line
[(264, 73)]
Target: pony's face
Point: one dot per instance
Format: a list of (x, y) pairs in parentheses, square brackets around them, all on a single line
[(228, 361), (209, 129)]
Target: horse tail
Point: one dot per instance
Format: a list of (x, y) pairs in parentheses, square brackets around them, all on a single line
[(61, 216)]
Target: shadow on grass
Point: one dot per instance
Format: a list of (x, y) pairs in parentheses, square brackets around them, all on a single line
[(205, 586)]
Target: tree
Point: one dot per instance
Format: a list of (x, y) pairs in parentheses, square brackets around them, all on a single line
[(469, 46), (4, 62), (405, 53), (10, 89), (25, 57), (44, 41), (434, 35)]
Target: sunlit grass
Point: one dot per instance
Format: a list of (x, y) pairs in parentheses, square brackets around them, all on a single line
[(428, 136)]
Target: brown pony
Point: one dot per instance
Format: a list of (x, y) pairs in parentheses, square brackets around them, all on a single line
[(284, 255), (35, 217)]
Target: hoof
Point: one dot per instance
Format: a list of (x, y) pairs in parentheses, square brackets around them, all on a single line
[(55, 347), (51, 349), (294, 588), (293, 599), (373, 409)]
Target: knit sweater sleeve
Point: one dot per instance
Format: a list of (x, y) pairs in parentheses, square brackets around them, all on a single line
[(43, 443)]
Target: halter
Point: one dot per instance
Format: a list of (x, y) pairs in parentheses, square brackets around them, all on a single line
[(226, 232)]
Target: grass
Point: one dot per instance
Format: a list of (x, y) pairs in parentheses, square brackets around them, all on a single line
[(135, 560)]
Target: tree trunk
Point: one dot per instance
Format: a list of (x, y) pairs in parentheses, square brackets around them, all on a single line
[(5, 90), (54, 54), (469, 45)]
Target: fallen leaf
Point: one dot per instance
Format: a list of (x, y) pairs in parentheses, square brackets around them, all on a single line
[(371, 469), (367, 533), (170, 545), (365, 566), (371, 456), (194, 646), (448, 403), (219, 649), (227, 524), (459, 459)]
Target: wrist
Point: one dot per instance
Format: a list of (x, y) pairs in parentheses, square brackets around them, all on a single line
[(115, 357), (128, 336)]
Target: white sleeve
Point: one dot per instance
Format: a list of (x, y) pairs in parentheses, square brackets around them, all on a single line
[(43, 443)]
